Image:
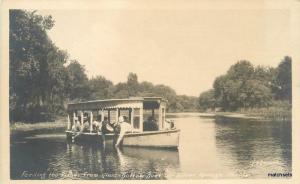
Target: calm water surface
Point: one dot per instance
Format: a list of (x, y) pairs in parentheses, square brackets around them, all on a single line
[(209, 148)]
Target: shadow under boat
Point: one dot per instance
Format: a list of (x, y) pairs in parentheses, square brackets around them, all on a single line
[(167, 156)]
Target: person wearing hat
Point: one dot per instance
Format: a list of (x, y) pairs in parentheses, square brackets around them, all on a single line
[(105, 128), (124, 128), (76, 126), (97, 124), (86, 125)]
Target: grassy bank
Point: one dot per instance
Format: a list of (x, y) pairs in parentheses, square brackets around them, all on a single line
[(279, 110), (269, 114), (237, 115), (274, 113), (19, 127)]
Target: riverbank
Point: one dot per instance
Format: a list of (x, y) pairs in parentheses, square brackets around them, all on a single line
[(217, 114), (237, 115), (264, 114), (271, 114), (19, 127)]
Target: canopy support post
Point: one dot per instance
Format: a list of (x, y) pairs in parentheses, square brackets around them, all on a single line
[(141, 119), (91, 121), (163, 117), (131, 118), (81, 118), (69, 123), (109, 115), (74, 116), (160, 126), (117, 115), (102, 115)]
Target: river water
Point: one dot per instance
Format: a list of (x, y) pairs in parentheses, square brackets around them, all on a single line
[(210, 147)]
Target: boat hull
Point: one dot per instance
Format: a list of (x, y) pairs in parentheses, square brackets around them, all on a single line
[(157, 139)]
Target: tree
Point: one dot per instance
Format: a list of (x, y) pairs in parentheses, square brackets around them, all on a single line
[(284, 80), (226, 90), (231, 91), (41, 81), (243, 86), (207, 100), (37, 74), (255, 94), (242, 71), (100, 88), (120, 90), (78, 82), (188, 103), (146, 89), (132, 84), (167, 93)]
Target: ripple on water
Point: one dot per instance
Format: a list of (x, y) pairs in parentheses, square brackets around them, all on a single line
[(209, 148)]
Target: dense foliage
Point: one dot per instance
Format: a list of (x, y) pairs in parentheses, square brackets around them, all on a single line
[(245, 86), (42, 80), (37, 73)]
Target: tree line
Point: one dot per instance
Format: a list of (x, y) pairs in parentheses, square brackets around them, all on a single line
[(245, 86), (42, 80)]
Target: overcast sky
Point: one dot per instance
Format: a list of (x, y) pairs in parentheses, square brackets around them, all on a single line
[(184, 48)]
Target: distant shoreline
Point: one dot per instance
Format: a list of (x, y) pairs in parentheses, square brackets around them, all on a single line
[(60, 123), (24, 128), (255, 116), (214, 114)]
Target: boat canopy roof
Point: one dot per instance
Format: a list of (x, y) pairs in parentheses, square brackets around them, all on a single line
[(132, 102)]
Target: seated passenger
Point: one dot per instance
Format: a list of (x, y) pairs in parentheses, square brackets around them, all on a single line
[(76, 126), (97, 124), (170, 124), (150, 124), (86, 125)]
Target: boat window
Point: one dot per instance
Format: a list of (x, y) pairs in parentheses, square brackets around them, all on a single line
[(96, 115), (148, 113), (113, 115), (125, 113), (78, 114), (105, 114), (151, 119), (136, 118)]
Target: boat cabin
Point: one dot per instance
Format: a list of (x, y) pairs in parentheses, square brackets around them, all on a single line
[(143, 113)]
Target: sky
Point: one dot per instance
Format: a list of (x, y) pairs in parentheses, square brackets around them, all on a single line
[(184, 48)]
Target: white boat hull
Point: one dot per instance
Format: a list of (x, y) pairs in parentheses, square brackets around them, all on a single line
[(153, 139), (159, 139)]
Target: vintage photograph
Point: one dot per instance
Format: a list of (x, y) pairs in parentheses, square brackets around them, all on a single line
[(150, 93)]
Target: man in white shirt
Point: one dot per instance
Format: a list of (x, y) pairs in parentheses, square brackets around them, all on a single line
[(124, 128)]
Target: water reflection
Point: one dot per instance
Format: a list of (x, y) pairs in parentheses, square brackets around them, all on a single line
[(90, 161), (117, 163), (254, 148), (209, 147)]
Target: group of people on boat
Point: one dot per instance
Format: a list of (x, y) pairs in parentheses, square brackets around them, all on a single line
[(119, 127), (104, 127)]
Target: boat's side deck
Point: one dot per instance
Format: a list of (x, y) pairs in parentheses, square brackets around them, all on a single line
[(127, 134), (158, 139)]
